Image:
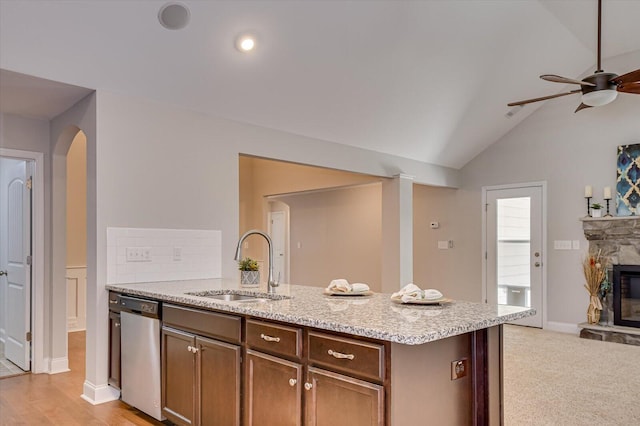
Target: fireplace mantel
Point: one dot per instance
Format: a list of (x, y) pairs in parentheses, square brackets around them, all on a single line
[(615, 237)]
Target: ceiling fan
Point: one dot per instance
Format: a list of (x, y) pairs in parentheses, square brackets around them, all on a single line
[(598, 89)]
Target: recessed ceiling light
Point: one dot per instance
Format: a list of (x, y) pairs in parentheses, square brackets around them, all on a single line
[(174, 16), (246, 43)]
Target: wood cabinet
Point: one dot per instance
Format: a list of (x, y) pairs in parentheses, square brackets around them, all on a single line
[(334, 399), (273, 391), (340, 382), (178, 376), (218, 382), (200, 375), (345, 381), (114, 340)]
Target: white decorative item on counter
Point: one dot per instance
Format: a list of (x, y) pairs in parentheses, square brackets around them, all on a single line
[(250, 278)]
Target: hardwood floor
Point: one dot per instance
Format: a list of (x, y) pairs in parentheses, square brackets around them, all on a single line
[(43, 399)]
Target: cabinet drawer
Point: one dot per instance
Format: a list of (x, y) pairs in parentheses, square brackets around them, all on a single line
[(350, 356), (274, 338), (208, 324)]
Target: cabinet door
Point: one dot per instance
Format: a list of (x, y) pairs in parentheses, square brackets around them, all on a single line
[(178, 376), (333, 399), (273, 395), (114, 349), (218, 378)]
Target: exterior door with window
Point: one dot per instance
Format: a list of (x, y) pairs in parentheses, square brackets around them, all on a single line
[(513, 252)]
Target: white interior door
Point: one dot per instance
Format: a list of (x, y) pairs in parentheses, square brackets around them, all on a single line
[(18, 268), (513, 252), (277, 232)]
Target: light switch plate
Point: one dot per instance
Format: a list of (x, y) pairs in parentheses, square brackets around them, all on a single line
[(562, 244)]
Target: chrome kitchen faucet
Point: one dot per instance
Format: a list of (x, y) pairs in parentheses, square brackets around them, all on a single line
[(271, 287)]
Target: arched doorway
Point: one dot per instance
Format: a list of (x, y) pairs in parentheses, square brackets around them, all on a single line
[(69, 155)]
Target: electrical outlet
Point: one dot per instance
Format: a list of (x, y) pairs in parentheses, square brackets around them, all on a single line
[(177, 254), (443, 245), (138, 254), (459, 368)]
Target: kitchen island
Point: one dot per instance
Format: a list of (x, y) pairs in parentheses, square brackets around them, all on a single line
[(406, 364)]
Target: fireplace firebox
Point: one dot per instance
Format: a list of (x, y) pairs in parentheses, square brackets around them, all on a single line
[(626, 295)]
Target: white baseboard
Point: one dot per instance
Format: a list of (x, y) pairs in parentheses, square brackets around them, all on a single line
[(99, 394), (563, 327), (58, 365)]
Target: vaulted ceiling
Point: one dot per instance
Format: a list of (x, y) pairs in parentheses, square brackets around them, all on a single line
[(427, 80)]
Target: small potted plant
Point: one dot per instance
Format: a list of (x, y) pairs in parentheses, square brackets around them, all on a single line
[(596, 210), (249, 273)]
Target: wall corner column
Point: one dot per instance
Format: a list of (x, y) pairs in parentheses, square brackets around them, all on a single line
[(397, 232)]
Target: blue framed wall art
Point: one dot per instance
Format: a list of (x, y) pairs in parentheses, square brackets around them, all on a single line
[(627, 180)]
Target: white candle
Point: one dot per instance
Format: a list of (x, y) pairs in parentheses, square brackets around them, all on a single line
[(607, 193), (588, 191)]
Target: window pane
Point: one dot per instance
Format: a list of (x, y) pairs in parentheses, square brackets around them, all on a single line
[(514, 242)]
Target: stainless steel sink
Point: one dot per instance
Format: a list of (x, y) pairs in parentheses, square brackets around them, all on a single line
[(234, 297), (238, 295)]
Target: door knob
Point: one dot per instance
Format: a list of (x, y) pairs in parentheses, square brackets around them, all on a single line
[(3, 273)]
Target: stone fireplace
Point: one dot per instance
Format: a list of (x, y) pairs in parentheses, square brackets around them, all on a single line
[(618, 238)]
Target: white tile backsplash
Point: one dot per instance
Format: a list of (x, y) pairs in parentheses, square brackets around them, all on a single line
[(201, 252)]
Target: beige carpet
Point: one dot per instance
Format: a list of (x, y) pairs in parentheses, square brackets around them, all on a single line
[(560, 379)]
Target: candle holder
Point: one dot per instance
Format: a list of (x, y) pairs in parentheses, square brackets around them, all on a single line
[(588, 206), (608, 214)]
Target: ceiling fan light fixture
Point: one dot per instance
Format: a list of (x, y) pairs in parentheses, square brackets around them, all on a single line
[(599, 97)]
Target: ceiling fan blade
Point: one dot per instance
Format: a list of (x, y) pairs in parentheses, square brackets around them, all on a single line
[(581, 107), (630, 77), (559, 79), (544, 98), (630, 88)]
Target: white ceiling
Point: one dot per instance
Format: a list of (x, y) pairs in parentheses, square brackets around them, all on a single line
[(427, 80)]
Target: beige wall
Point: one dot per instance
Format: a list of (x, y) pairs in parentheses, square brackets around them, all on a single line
[(77, 202), (259, 177), (437, 268), (336, 234)]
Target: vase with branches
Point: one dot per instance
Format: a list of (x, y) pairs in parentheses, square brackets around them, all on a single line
[(594, 267)]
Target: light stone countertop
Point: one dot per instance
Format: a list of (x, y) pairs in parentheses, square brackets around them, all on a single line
[(372, 316)]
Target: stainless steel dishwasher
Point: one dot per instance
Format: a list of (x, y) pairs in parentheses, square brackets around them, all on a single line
[(140, 354)]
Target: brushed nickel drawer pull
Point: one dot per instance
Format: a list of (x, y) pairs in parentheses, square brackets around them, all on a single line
[(292, 382), (269, 338), (308, 386), (340, 355), (112, 302)]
